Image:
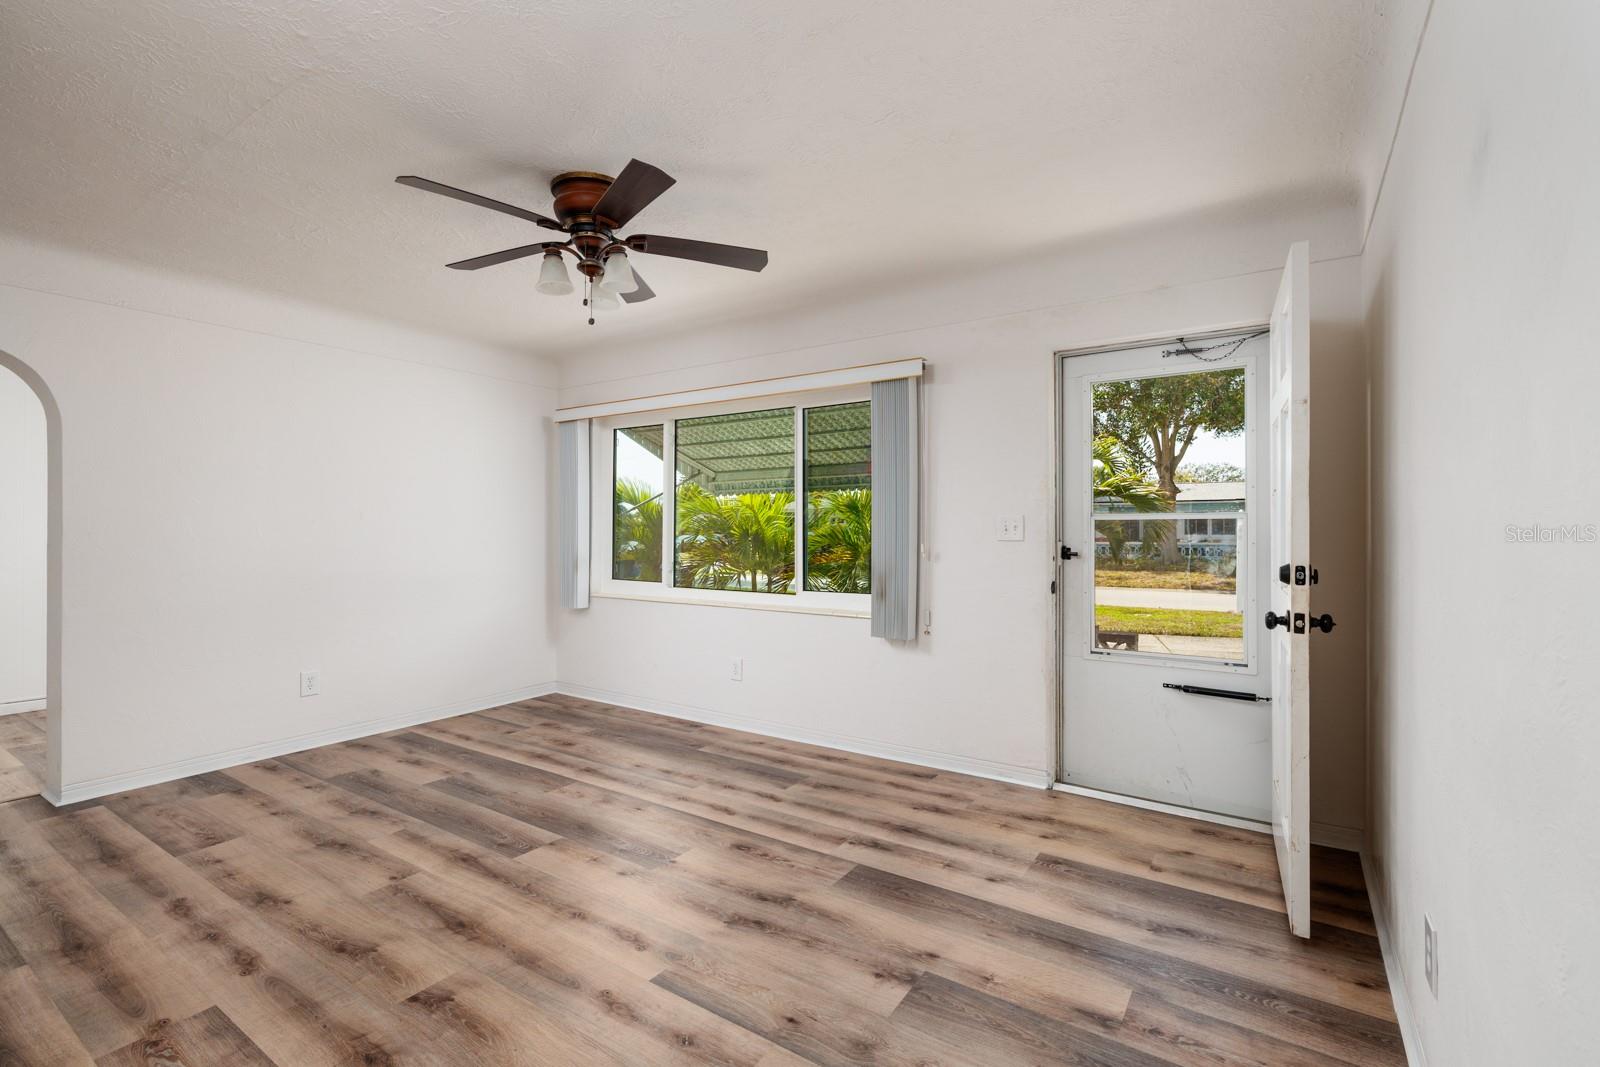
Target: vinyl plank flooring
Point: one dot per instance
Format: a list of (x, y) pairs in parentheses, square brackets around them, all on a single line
[(348, 936), (1230, 995), (556, 815), (484, 1021), (207, 1038), (22, 755), (96, 966), (32, 1030), (473, 822), (997, 1031), (559, 881)]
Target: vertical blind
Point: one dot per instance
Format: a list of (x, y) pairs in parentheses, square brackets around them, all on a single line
[(896, 539), (573, 488)]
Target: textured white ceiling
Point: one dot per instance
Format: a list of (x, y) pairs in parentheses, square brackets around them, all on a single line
[(256, 141)]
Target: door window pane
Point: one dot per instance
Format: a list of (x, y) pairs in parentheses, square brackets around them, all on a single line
[(638, 480), (735, 501), (838, 482), (1169, 445)]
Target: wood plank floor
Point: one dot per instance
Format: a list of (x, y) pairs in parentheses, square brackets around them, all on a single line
[(563, 882), (21, 755)]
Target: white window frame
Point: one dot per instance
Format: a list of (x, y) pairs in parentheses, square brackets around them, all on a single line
[(602, 529)]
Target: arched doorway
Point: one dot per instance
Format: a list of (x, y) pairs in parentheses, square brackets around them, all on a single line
[(50, 670)]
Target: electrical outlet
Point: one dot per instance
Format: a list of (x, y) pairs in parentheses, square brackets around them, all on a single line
[(1430, 954), (738, 670), (1008, 528), (310, 683)]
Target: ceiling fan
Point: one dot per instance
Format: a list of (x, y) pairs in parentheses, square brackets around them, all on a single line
[(589, 209)]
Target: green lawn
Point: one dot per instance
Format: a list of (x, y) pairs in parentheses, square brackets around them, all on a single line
[(1143, 578), (1174, 622)]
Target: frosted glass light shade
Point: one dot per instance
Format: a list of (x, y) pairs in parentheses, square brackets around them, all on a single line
[(553, 280), (618, 277), (602, 298)]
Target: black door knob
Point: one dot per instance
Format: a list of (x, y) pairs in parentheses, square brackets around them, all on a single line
[(1323, 622), (1274, 621)]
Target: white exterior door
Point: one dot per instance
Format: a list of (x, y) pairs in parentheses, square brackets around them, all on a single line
[(1289, 620), (1163, 667)]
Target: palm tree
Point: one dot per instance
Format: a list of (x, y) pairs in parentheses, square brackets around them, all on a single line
[(636, 532), (1116, 477), (743, 541), (839, 541)]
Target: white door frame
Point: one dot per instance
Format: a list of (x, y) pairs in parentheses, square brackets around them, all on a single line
[(1058, 531)]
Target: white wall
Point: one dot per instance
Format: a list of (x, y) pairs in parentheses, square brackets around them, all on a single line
[(977, 692), (22, 545), (253, 487), (1482, 275)]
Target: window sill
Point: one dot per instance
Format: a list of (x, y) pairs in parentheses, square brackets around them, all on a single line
[(746, 602)]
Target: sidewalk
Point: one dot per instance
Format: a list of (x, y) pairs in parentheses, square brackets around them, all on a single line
[(1184, 599)]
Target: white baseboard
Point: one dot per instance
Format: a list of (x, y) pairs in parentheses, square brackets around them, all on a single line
[(216, 761), (17, 707), (1036, 777), (1341, 837), (1345, 838), (1410, 1036), (1166, 809)]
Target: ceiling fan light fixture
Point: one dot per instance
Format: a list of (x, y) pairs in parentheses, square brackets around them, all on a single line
[(618, 277), (553, 279), (590, 211)]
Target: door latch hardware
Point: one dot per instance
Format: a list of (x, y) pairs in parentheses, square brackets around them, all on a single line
[(1067, 553), (1323, 622), (1299, 570), (1299, 622), (1207, 691), (1275, 621)]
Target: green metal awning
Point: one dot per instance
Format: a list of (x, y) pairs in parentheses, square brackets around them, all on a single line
[(753, 451)]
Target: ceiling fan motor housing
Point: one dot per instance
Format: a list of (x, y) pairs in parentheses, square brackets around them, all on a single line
[(575, 193)]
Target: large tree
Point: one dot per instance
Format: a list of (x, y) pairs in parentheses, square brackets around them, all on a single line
[(1156, 420)]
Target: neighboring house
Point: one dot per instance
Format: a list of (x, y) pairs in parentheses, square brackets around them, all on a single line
[(1207, 513)]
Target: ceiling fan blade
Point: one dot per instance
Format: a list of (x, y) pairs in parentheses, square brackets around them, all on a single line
[(473, 198), (637, 185), (700, 251), (643, 292), (498, 257)]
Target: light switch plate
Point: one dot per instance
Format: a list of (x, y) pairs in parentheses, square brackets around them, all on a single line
[(1008, 528)]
